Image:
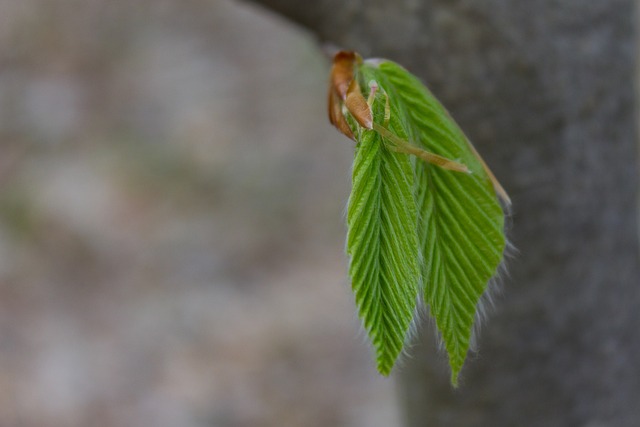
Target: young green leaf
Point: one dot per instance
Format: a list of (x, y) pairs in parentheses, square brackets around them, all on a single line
[(461, 227), (444, 200), (383, 245)]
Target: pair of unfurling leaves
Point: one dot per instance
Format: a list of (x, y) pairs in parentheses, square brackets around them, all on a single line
[(424, 217)]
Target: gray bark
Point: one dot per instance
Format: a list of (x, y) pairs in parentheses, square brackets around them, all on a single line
[(545, 89)]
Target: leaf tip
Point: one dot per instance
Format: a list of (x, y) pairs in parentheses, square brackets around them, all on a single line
[(384, 367), (454, 380), (456, 367)]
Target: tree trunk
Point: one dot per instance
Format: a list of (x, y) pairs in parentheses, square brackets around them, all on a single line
[(545, 90)]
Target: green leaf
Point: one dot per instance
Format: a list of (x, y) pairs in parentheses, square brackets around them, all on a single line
[(459, 226), (383, 245)]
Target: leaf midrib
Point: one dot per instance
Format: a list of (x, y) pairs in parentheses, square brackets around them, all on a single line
[(445, 263)]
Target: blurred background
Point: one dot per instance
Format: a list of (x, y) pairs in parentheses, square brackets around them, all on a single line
[(172, 222)]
